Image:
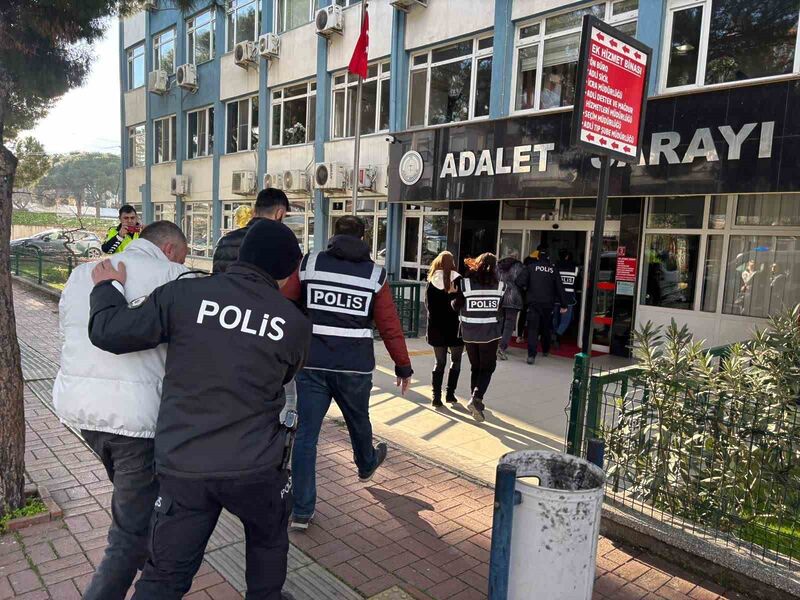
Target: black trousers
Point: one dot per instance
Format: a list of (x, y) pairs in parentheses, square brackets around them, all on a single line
[(129, 464), (540, 323), (184, 518), (483, 362)]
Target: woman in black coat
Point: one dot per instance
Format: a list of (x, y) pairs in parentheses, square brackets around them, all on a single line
[(443, 326)]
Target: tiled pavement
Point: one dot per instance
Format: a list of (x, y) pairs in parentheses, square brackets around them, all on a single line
[(417, 526)]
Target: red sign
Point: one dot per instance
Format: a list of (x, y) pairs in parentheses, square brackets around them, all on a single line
[(612, 92), (626, 268)]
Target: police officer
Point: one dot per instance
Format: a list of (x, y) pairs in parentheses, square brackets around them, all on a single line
[(544, 289), (345, 294), (119, 236), (568, 270), (234, 341)]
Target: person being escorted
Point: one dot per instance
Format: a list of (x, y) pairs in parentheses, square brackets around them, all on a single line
[(443, 330), (569, 271), (508, 269), (478, 299), (272, 204), (345, 294), (114, 400), (233, 342), (120, 236), (542, 284)]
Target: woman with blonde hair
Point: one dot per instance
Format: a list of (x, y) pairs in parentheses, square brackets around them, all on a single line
[(478, 299), (443, 326)]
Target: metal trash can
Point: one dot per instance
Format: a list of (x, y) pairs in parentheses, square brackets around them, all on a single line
[(544, 537)]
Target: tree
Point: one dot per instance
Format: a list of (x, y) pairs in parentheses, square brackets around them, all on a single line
[(45, 50), (33, 164), (89, 177)]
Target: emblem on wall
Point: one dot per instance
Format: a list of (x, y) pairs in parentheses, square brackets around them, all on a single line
[(411, 166)]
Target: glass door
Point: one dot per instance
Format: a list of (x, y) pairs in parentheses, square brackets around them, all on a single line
[(605, 288)]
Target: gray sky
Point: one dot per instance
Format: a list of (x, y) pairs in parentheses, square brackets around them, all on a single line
[(87, 118)]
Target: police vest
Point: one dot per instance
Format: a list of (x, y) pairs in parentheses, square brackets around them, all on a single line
[(569, 278), (480, 315), (118, 245), (339, 296)]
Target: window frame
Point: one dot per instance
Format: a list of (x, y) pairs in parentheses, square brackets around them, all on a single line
[(476, 54), (232, 12), (132, 133), (208, 142), (419, 212), (171, 120), (378, 212), (131, 58), (191, 29), (157, 44), (351, 87), (674, 6), (276, 25), (188, 213), (273, 103), (542, 37), (249, 126)]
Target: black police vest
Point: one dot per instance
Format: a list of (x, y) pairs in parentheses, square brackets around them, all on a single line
[(480, 315), (569, 279), (339, 296)]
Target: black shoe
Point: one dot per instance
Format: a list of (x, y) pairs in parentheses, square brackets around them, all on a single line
[(380, 453), (452, 384), (436, 383), (451, 398), (531, 360), (545, 353), (475, 408), (300, 523), (437, 401)]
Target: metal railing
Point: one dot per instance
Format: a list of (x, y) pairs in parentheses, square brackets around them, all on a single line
[(406, 295), (52, 270), (725, 467)]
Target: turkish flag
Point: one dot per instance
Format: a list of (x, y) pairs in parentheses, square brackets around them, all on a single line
[(358, 63)]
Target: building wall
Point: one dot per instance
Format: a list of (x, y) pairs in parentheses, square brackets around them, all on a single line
[(133, 29), (380, 34), (134, 179), (447, 19), (135, 107), (234, 81), (241, 161), (200, 173), (298, 56)]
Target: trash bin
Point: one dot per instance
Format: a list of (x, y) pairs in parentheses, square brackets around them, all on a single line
[(544, 537)]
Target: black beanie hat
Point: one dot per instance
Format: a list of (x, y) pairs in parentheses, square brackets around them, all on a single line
[(271, 246)]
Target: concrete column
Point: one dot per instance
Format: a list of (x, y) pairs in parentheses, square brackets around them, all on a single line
[(219, 129), (322, 134), (502, 60), (650, 30), (123, 86), (180, 116), (147, 203), (263, 94)]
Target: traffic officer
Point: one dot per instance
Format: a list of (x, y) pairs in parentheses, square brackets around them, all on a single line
[(119, 236), (234, 341), (544, 290), (345, 293)]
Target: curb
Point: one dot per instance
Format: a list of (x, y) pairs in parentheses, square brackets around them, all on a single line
[(53, 512)]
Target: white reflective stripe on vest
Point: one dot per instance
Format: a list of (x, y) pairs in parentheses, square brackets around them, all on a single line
[(495, 293), (479, 319), (341, 331), (311, 273)]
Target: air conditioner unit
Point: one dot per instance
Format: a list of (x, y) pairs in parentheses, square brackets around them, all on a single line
[(179, 185), (367, 179), (158, 81), (269, 46), (329, 20), (186, 76), (150, 4), (273, 180), (406, 5), (244, 54), (295, 181), (329, 176), (243, 183)]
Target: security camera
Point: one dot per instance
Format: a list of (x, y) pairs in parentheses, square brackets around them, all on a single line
[(391, 139)]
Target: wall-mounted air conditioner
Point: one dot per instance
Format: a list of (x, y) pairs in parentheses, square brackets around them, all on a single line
[(273, 180), (406, 5), (179, 185), (329, 20), (243, 183), (367, 179), (186, 77), (330, 176), (244, 54), (158, 81), (269, 46), (295, 181)]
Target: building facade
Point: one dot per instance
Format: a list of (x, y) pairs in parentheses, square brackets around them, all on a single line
[(465, 124)]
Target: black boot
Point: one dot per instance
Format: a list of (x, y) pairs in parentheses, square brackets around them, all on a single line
[(436, 382), (452, 384)]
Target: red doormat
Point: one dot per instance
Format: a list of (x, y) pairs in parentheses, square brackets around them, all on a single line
[(566, 350)]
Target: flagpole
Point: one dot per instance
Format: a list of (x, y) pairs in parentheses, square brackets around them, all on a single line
[(357, 144)]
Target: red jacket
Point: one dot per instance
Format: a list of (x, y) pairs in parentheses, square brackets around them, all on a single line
[(386, 320)]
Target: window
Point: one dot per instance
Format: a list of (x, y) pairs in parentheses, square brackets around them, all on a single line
[(200, 37), (242, 124), (374, 102), (718, 41), (669, 279), (164, 211), (136, 146), (547, 53), (293, 13), (236, 215), (424, 237), (200, 133), (164, 51), (164, 137), (712, 273), (676, 212), (197, 228), (374, 214), (294, 113), (242, 22), (136, 66), (768, 210), (451, 83)]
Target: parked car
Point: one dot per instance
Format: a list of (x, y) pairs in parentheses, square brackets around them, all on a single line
[(60, 241)]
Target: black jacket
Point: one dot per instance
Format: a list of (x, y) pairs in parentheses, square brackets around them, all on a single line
[(227, 251), (542, 284), (234, 341), (443, 324)]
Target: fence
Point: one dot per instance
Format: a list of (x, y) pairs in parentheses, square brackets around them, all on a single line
[(722, 466), (407, 300), (47, 269)]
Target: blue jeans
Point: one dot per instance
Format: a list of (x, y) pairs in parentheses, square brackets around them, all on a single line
[(561, 322), (315, 389)]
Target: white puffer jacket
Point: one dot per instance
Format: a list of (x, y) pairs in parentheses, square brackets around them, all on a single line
[(97, 390)]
